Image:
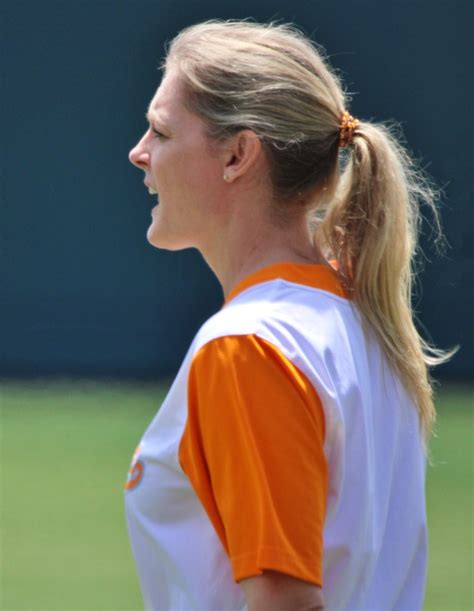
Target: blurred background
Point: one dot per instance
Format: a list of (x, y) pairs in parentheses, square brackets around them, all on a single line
[(94, 321)]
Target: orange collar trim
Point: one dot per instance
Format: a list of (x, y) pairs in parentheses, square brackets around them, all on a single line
[(317, 276)]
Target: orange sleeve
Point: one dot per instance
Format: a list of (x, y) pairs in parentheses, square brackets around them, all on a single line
[(252, 448)]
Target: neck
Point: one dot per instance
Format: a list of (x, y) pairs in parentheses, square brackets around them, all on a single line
[(243, 248)]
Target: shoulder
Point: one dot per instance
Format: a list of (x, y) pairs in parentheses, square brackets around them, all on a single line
[(242, 318), (280, 312)]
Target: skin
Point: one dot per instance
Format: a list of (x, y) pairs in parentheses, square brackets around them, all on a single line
[(228, 220), (274, 591)]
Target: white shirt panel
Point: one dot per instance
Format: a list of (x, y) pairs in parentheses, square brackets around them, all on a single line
[(375, 538)]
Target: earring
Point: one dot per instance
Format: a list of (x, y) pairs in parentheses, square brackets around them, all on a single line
[(226, 178)]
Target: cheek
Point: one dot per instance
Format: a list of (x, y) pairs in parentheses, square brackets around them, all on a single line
[(202, 175), (190, 172), (168, 172)]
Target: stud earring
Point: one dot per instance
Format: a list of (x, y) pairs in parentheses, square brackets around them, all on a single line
[(226, 178)]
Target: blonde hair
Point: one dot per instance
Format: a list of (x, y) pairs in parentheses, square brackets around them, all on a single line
[(272, 79)]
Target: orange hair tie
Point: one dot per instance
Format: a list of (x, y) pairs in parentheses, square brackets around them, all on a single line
[(346, 129)]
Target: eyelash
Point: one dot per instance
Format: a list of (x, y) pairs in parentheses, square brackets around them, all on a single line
[(157, 133)]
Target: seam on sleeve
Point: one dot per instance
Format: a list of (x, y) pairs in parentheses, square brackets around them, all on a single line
[(302, 567)]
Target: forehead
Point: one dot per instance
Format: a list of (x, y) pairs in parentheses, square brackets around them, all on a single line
[(167, 103)]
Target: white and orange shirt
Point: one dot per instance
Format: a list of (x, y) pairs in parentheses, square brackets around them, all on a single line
[(286, 442)]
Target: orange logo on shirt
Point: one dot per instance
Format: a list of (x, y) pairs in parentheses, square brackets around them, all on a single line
[(135, 473)]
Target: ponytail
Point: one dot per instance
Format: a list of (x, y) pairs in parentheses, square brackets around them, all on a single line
[(291, 98), (371, 229)]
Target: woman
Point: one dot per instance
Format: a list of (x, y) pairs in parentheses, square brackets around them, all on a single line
[(286, 467)]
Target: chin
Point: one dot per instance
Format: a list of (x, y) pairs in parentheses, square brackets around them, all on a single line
[(163, 240)]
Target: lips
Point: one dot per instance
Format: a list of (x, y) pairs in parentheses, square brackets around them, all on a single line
[(151, 188), (153, 191)]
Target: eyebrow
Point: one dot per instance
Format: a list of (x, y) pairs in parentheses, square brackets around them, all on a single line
[(148, 116), (151, 117)]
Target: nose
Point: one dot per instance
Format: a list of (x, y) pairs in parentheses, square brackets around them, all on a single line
[(139, 156)]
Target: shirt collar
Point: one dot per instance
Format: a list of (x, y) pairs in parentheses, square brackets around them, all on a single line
[(319, 276)]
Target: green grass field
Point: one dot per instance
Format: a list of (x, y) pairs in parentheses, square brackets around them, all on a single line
[(65, 452)]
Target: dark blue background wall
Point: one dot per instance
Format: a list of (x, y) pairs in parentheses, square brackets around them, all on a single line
[(82, 292)]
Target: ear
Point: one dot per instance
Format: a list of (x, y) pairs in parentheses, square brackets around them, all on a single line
[(242, 153)]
